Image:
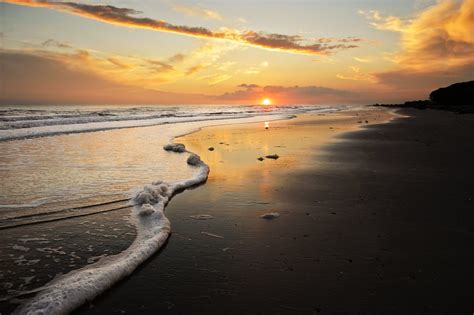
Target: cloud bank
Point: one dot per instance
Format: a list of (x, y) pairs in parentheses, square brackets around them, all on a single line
[(128, 17), (253, 93)]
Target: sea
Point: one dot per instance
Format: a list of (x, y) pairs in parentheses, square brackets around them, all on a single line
[(83, 192)]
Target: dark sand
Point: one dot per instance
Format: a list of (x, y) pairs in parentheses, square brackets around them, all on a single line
[(380, 221)]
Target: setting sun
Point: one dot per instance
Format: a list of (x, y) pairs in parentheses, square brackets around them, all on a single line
[(266, 101)]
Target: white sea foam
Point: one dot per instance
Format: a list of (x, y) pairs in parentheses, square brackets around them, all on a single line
[(194, 159), (175, 147), (67, 292)]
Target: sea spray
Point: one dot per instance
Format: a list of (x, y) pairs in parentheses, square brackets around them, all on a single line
[(68, 292)]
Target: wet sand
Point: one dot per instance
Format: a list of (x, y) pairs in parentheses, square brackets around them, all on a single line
[(375, 221)]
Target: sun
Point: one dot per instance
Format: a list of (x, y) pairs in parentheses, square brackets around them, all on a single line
[(266, 102)]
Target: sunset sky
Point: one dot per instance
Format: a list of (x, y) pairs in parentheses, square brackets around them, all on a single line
[(229, 51)]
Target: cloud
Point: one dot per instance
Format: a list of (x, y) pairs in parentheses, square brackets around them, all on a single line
[(177, 58), (356, 74), (55, 43), (161, 66), (362, 60), (35, 78), (213, 79), (248, 86), (195, 69), (153, 73), (325, 40), (130, 71), (387, 23), (437, 47), (128, 17), (118, 63), (197, 11), (251, 93), (423, 82)]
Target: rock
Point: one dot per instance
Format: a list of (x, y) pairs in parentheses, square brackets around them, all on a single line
[(260, 159), (194, 159), (211, 148), (270, 216), (456, 94), (458, 97), (273, 156), (175, 147)]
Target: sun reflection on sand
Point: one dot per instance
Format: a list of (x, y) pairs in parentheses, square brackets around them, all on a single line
[(237, 147)]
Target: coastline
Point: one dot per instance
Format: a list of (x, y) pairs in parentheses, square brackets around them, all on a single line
[(228, 152), (379, 222), (218, 225)]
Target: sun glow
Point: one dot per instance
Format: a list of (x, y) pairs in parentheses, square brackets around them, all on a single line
[(266, 102)]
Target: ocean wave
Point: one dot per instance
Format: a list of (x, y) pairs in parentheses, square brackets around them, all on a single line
[(18, 124)]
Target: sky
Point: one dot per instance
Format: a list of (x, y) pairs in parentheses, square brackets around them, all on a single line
[(232, 51)]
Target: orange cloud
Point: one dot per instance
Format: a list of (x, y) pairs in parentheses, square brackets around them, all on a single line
[(357, 75), (437, 46), (136, 71), (127, 17), (387, 23), (38, 78), (442, 36)]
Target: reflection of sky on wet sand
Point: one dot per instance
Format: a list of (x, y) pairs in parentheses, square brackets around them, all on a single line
[(237, 147)]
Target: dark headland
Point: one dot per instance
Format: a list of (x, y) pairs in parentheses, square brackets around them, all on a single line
[(458, 97), (379, 221)]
